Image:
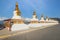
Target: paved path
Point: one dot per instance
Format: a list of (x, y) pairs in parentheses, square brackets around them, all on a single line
[(50, 33)]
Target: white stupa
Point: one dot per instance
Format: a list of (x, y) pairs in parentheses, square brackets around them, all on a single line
[(42, 19), (34, 21), (47, 20), (34, 18), (17, 21), (17, 15)]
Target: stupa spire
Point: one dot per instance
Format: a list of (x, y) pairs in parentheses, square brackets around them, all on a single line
[(17, 9), (34, 14), (42, 18), (42, 15), (46, 17)]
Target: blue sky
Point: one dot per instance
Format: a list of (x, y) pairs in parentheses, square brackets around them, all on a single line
[(50, 8)]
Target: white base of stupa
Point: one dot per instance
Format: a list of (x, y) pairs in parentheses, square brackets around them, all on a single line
[(34, 19), (48, 24), (41, 25), (35, 25), (16, 27)]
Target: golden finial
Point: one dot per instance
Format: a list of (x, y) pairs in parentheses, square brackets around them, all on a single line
[(42, 15), (16, 3), (16, 6), (34, 13), (47, 17), (17, 9)]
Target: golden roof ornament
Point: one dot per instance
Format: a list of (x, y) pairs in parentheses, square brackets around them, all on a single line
[(46, 17), (34, 13), (42, 15), (17, 9), (16, 3)]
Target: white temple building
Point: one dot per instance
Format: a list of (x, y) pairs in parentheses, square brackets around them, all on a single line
[(34, 21), (17, 21), (47, 19), (34, 18), (42, 19)]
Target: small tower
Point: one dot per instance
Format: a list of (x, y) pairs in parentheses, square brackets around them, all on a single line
[(34, 18), (34, 15), (47, 19), (42, 19), (16, 12), (17, 19)]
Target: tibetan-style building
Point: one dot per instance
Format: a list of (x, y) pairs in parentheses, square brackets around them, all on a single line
[(17, 19), (34, 18), (47, 19), (42, 19)]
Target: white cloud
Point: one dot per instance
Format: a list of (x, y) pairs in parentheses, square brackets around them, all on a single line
[(3, 18)]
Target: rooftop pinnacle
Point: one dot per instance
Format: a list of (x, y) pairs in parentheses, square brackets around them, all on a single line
[(34, 13), (17, 9)]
